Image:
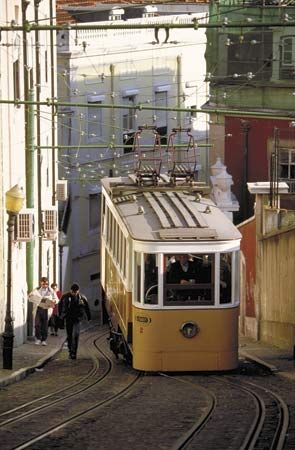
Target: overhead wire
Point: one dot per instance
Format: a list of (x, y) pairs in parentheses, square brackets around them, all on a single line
[(170, 98)]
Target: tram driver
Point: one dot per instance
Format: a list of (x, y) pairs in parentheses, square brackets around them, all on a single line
[(182, 271)]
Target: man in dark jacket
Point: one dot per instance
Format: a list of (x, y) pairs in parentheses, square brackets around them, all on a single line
[(73, 308)]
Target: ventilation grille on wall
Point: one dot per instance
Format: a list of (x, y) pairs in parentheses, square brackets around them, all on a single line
[(24, 226), (50, 224), (61, 190)]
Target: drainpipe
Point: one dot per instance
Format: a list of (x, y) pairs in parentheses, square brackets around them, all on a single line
[(38, 90), (259, 206), (113, 115), (30, 178), (245, 196), (179, 97), (29, 169), (53, 135)]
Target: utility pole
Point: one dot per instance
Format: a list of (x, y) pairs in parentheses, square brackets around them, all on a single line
[(245, 195)]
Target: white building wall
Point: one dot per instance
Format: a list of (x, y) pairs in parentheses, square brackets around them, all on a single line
[(13, 153), (108, 65), (13, 163)]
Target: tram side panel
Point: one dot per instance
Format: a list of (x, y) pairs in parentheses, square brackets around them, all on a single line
[(158, 342), (118, 300)]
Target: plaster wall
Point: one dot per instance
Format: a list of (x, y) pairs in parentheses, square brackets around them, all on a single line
[(13, 167)]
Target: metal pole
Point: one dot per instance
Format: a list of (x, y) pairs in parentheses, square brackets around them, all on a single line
[(53, 128), (60, 266), (140, 107), (245, 206), (30, 181), (194, 24), (8, 334)]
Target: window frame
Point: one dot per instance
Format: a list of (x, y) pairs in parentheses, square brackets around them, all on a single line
[(16, 79), (129, 113), (161, 115), (93, 137), (289, 164), (291, 51), (194, 304)]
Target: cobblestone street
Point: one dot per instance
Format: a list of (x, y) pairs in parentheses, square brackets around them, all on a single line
[(117, 410)]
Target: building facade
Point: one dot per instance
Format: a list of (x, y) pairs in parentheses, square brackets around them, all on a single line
[(250, 66), (104, 74), (267, 303), (27, 155)]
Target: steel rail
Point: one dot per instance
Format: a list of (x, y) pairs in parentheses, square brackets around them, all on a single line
[(80, 414), (14, 419)]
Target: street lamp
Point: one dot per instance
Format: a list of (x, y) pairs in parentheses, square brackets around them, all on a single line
[(62, 242), (14, 199)]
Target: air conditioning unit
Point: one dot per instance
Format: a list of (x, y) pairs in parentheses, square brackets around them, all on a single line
[(50, 224), (24, 226), (61, 193)]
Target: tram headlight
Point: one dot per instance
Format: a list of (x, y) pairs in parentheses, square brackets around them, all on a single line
[(189, 329)]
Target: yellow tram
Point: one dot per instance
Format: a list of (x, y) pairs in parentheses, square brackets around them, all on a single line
[(162, 320)]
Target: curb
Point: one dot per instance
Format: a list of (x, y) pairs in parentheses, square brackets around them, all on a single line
[(259, 361), (25, 371), (22, 373)]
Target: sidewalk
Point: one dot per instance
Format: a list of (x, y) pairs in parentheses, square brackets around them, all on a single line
[(28, 357), (276, 359)]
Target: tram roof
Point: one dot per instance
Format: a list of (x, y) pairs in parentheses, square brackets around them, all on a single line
[(165, 212)]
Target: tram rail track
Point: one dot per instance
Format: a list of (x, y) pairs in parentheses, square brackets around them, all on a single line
[(41, 432), (58, 393), (184, 441), (270, 425), (212, 417), (75, 417)]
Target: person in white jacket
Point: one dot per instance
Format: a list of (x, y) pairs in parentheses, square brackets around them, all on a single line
[(48, 299)]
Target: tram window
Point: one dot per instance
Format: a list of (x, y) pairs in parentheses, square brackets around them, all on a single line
[(225, 277), (113, 242), (189, 279), (120, 247), (236, 282), (124, 257), (137, 277), (104, 224), (150, 279), (112, 234), (109, 227), (117, 231), (103, 205)]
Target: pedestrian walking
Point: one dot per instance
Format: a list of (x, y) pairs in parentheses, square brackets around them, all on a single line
[(74, 308), (53, 322), (45, 298)]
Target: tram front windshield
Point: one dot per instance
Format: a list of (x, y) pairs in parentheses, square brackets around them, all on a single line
[(188, 279)]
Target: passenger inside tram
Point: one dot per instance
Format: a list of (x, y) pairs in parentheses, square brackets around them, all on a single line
[(194, 275), (225, 278), (188, 279), (182, 271)]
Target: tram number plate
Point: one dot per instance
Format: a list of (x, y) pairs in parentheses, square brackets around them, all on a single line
[(143, 319)]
